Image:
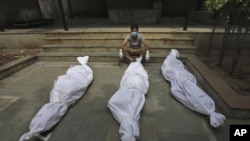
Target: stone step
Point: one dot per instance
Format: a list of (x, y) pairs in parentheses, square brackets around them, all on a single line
[(104, 45), (117, 41), (94, 57), (232, 104), (16, 65), (113, 49), (116, 34)]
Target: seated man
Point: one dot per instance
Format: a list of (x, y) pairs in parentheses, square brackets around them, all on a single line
[(134, 49)]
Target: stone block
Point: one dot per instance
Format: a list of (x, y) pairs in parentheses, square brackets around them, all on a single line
[(128, 16)]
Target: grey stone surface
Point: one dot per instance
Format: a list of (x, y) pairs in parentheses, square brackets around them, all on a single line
[(162, 118)]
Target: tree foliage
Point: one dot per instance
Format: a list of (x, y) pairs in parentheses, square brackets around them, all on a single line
[(214, 4)]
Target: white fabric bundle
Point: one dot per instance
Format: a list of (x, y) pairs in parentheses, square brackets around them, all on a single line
[(127, 103), (184, 89), (66, 91)]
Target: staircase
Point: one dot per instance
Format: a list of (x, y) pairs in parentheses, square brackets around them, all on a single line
[(103, 46)]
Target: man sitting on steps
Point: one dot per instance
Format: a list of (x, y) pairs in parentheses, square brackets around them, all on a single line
[(134, 49)]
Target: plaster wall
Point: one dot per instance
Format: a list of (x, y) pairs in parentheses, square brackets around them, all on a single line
[(21, 41)]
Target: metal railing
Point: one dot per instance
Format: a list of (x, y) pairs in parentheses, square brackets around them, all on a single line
[(63, 16), (1, 27)]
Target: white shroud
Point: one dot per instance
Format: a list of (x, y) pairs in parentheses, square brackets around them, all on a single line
[(127, 103), (68, 88), (184, 89)]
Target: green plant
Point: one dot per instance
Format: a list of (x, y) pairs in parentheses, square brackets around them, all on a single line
[(214, 4)]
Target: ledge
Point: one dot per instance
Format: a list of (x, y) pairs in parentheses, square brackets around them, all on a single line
[(228, 101), (14, 66)]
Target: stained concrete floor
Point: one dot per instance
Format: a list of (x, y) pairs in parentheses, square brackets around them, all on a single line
[(162, 118)]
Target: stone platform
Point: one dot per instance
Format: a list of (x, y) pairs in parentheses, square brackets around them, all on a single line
[(162, 118)]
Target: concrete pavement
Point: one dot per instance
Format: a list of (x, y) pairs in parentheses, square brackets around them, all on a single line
[(163, 118)]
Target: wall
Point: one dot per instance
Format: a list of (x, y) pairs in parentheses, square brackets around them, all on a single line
[(202, 40), (89, 8), (7, 6), (122, 4), (18, 41), (97, 8)]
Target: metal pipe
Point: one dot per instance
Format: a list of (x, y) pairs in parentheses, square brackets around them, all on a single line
[(1, 27), (187, 15), (65, 25), (70, 10)]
